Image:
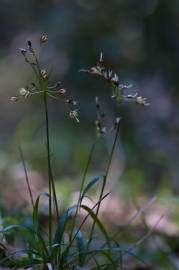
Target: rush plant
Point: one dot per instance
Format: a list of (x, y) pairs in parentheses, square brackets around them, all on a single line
[(66, 245)]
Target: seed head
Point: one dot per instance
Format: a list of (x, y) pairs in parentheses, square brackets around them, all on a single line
[(43, 38), (23, 92), (141, 101), (14, 99), (29, 43), (62, 91), (44, 74), (74, 115), (71, 101), (23, 51), (115, 79)]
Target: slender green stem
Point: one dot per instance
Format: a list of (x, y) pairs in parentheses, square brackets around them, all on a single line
[(86, 169), (103, 185), (49, 167), (26, 175), (82, 186), (50, 175), (43, 88)]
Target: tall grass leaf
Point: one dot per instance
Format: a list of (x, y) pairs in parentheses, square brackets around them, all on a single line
[(94, 181), (97, 264), (34, 238), (98, 222), (36, 211), (108, 256), (27, 232), (120, 252), (26, 174), (62, 224), (33, 257), (94, 252), (81, 247)]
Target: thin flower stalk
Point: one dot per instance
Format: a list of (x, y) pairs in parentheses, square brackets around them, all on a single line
[(104, 184), (41, 87)]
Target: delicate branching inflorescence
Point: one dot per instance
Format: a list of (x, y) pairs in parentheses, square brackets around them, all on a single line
[(55, 91), (118, 89), (64, 247)]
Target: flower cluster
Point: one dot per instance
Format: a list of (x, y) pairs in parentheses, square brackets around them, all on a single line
[(118, 90), (41, 85), (25, 92)]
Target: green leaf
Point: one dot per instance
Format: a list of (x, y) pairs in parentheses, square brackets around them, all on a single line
[(62, 224), (26, 231), (81, 247), (36, 211), (34, 238), (94, 181), (98, 222)]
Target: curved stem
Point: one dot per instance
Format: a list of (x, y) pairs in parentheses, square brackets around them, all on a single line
[(82, 186), (104, 184), (26, 175)]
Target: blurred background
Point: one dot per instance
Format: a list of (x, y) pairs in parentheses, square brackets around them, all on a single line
[(139, 40)]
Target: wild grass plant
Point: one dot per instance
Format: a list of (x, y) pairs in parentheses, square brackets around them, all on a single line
[(65, 245)]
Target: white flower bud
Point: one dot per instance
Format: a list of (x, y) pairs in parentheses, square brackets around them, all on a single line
[(62, 91), (141, 101), (23, 92), (13, 99), (74, 115)]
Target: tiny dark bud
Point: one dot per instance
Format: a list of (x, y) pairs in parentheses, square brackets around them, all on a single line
[(23, 51), (115, 83), (29, 43)]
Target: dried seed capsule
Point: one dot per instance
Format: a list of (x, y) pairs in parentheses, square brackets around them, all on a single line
[(29, 43), (74, 115), (62, 91), (44, 74), (43, 38), (71, 101), (23, 92), (141, 101), (23, 51), (14, 99)]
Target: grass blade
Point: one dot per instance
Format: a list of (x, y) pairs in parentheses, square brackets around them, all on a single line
[(93, 182), (62, 224), (81, 247), (26, 174), (36, 211)]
